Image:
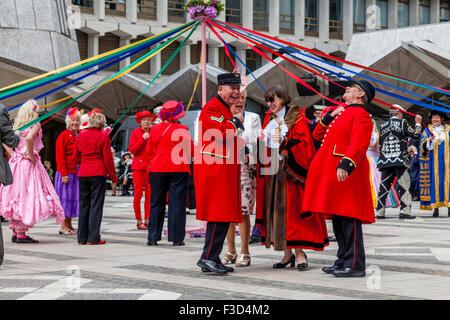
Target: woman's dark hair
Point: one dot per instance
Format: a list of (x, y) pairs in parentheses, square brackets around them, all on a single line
[(279, 92)]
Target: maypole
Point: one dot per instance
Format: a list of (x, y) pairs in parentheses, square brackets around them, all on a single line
[(204, 93), (203, 10)]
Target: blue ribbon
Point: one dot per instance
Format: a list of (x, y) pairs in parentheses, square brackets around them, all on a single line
[(348, 78)]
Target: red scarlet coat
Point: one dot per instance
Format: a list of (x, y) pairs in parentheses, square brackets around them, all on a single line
[(308, 233), (216, 165), (93, 152), (137, 149), (346, 138), (65, 145), (169, 148)]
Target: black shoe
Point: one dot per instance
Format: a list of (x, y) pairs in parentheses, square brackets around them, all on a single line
[(280, 265), (349, 272), (330, 269), (178, 243), (227, 269), (331, 238), (26, 240), (255, 239), (303, 266), (436, 214), (406, 216), (380, 217), (152, 243), (3, 219), (14, 239), (211, 266)]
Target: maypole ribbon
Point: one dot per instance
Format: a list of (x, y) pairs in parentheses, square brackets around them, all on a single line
[(129, 68), (174, 54), (447, 92), (234, 53), (293, 76), (115, 52), (53, 78), (376, 100), (335, 66)]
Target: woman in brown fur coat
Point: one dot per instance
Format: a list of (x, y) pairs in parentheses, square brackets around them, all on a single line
[(282, 169)]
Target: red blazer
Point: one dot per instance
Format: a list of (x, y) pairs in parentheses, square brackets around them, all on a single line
[(93, 153), (137, 149), (65, 145), (169, 148), (345, 142), (216, 165)]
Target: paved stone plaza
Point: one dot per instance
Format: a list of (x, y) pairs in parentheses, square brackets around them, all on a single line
[(405, 260)]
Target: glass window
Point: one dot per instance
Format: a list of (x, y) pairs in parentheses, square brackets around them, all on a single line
[(253, 60), (146, 9), (84, 3), (335, 18), (176, 11), (311, 18), (116, 5), (261, 15), (382, 16), (403, 13), (286, 15), (359, 15), (233, 12), (444, 11), (424, 11)]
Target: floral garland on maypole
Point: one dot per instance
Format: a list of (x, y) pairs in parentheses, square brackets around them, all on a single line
[(209, 9)]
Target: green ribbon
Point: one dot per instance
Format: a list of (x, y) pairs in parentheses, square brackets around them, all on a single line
[(75, 69), (45, 116), (158, 74)]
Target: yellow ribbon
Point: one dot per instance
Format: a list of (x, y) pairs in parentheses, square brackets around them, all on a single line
[(195, 87)]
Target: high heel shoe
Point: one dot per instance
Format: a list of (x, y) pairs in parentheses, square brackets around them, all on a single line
[(280, 265), (304, 265)]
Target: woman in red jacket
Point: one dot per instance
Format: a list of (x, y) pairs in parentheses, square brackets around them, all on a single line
[(169, 151), (66, 180), (139, 166), (93, 153)]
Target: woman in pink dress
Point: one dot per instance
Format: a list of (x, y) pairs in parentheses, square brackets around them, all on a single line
[(31, 197)]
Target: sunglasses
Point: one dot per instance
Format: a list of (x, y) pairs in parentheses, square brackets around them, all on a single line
[(270, 99)]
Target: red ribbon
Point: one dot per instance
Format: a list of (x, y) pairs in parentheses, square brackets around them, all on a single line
[(323, 54)]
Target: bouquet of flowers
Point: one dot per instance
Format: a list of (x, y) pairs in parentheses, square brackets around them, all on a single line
[(203, 8)]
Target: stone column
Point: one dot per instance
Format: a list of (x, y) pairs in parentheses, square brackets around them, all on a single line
[(413, 12), (213, 55), (155, 61), (434, 11), (242, 54), (131, 10), (99, 9), (247, 14), (274, 17), (124, 62), (347, 20), (324, 20), (185, 56), (392, 14), (93, 46), (299, 18), (162, 12)]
